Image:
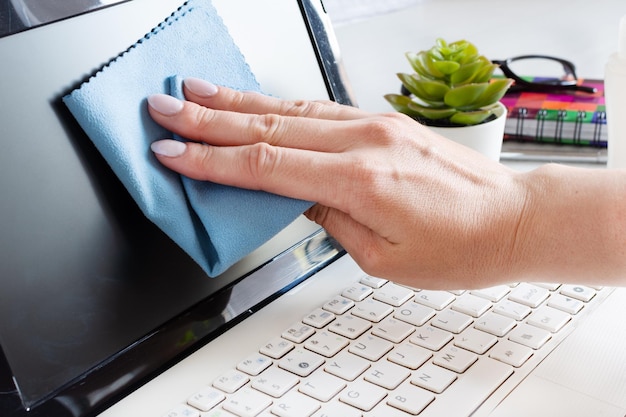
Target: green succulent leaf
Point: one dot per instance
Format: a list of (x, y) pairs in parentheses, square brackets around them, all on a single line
[(417, 63), (429, 90), (466, 73), (470, 52), (447, 67), (465, 96), (485, 73), (494, 92), (398, 102), (430, 113), (470, 117)]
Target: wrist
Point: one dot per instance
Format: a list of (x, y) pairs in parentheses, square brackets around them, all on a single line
[(572, 227)]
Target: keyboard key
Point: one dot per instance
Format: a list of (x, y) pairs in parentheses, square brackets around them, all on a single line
[(326, 343), (495, 324), (254, 364), (434, 299), (530, 336), (322, 386), (578, 292), (274, 382), (451, 321), (384, 410), (298, 332), (301, 362), (362, 395), (455, 359), (357, 292), (393, 294), (414, 313), (552, 286), (318, 318), (338, 305), (470, 390), (512, 353), (475, 341), (347, 366), (549, 319), (337, 409), (409, 355), (372, 310), (431, 338), (276, 348), (529, 295), (433, 378), (247, 402), (393, 330), (512, 309), (471, 305), (294, 404), (493, 294), (231, 381), (370, 347), (219, 412), (349, 326), (409, 398), (373, 282), (567, 304), (386, 374), (206, 398)]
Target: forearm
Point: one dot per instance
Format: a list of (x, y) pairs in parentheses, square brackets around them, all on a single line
[(574, 226)]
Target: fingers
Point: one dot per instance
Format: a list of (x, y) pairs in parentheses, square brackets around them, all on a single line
[(295, 173), (227, 128), (221, 98)]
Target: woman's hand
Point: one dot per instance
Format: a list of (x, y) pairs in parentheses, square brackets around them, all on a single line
[(406, 203)]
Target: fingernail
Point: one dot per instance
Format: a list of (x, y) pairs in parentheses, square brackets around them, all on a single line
[(200, 87), (165, 104), (168, 147)]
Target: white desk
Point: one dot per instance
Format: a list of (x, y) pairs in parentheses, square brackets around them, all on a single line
[(373, 48)]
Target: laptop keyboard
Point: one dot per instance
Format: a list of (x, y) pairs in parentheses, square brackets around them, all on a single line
[(379, 349)]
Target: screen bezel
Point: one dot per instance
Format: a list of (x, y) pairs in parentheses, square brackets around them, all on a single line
[(120, 374)]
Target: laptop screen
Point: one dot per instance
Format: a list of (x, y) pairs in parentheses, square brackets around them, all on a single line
[(95, 299)]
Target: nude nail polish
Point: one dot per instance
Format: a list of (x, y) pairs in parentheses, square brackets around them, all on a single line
[(200, 87), (168, 147), (165, 104)]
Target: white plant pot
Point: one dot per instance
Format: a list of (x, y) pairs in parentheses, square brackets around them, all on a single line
[(485, 138)]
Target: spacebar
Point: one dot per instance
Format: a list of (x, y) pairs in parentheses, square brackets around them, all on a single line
[(472, 388)]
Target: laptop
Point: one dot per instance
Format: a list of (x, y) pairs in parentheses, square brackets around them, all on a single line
[(102, 315)]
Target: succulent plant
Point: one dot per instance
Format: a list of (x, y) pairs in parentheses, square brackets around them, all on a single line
[(452, 85)]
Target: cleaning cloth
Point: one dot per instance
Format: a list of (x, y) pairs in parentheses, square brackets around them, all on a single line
[(216, 225)]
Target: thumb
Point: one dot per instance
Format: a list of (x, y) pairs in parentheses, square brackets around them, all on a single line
[(362, 243)]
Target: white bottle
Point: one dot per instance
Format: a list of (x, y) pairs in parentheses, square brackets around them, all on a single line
[(615, 95)]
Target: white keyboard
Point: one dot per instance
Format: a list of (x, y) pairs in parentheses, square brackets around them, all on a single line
[(379, 349)]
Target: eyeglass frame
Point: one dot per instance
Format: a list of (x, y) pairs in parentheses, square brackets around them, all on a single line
[(521, 84), (570, 83)]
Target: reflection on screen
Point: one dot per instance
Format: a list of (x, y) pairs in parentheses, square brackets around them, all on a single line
[(19, 15)]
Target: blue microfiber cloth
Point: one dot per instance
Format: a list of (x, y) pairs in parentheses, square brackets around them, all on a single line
[(216, 225)]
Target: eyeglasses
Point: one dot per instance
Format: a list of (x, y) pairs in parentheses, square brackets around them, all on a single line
[(561, 74)]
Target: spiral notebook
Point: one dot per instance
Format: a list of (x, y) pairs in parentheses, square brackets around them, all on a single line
[(558, 118)]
